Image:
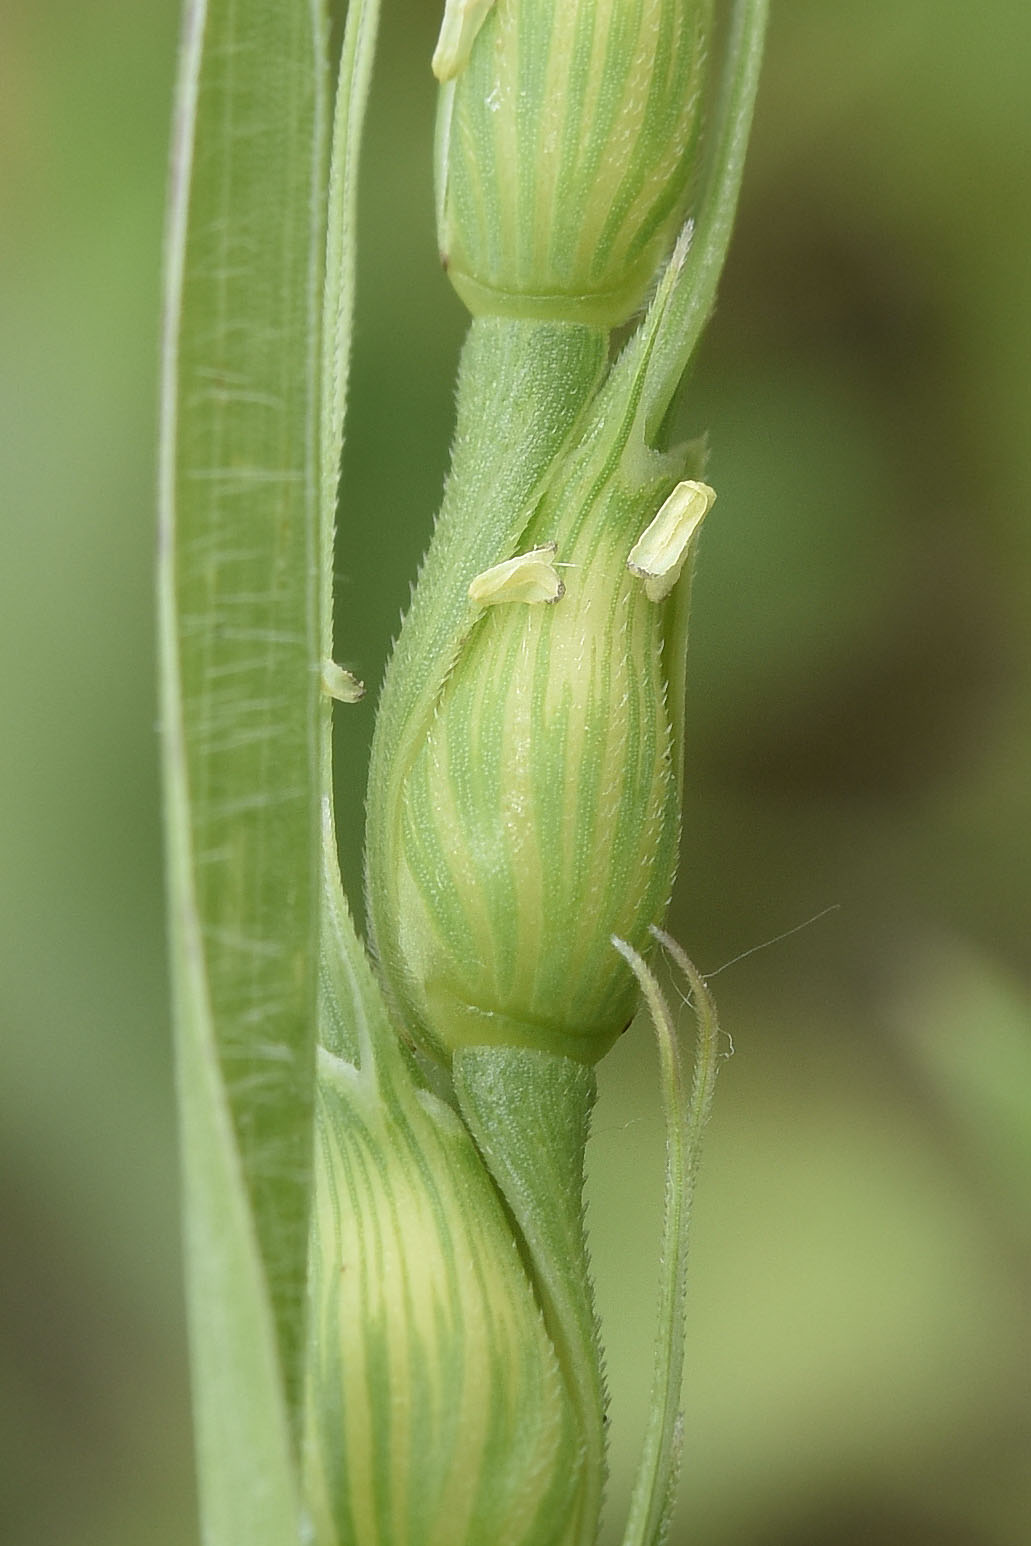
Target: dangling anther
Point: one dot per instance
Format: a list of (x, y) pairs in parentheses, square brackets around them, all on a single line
[(340, 684), (530, 578), (659, 554)]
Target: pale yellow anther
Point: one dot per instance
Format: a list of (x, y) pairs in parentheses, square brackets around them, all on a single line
[(659, 554), (530, 577), (340, 684), (462, 21)]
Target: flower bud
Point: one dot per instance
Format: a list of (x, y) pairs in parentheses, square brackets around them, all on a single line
[(541, 814), (565, 142), (436, 1411)]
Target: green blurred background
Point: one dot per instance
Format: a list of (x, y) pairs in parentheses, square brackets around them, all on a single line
[(860, 740)]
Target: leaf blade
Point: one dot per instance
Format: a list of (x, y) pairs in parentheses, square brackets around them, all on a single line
[(239, 685)]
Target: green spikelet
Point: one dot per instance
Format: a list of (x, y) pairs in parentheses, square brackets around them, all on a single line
[(564, 145), (437, 1412)]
